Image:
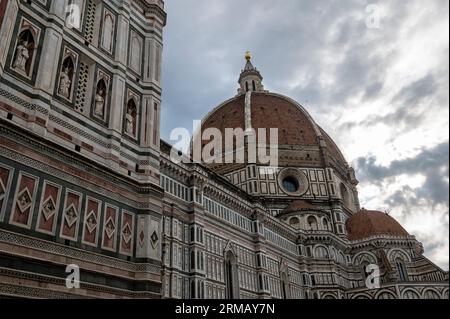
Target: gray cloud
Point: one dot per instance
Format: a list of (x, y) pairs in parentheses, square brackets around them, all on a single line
[(432, 163), (321, 54)]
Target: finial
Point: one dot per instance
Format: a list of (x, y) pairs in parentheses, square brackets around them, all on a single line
[(248, 56)]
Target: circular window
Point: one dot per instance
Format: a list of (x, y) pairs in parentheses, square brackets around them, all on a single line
[(290, 184), (293, 182)]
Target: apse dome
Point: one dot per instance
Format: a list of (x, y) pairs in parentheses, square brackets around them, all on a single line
[(366, 224)]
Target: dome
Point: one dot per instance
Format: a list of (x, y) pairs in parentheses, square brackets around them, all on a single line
[(366, 224), (297, 131), (268, 110)]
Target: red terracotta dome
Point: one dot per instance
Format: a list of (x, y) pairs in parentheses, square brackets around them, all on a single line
[(296, 128), (366, 224), (267, 111)]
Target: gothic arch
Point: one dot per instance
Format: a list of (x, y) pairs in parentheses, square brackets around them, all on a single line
[(321, 252), (364, 256), (285, 281), (396, 253), (24, 51), (231, 273)]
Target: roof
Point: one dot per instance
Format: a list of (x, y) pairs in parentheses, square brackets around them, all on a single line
[(268, 110), (366, 224), (298, 205)]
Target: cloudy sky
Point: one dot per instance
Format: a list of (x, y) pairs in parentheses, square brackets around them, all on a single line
[(381, 93)]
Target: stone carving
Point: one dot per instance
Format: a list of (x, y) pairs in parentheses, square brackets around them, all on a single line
[(71, 216), (24, 200), (130, 119), (126, 234), (22, 56), (99, 103), (110, 228), (48, 209), (91, 222), (65, 83)]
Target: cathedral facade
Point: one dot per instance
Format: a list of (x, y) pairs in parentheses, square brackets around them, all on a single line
[(86, 181)]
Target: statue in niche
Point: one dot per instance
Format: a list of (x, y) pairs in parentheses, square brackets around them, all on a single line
[(99, 107), (22, 56), (130, 118), (65, 83)]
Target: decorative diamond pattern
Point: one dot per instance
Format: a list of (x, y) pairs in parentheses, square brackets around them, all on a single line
[(110, 228), (24, 200), (71, 215), (2, 190), (141, 237), (126, 233), (154, 239), (91, 222), (48, 208)]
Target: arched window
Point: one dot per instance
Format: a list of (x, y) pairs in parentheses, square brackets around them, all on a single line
[(294, 222), (192, 260), (321, 252), (312, 223), (231, 275), (285, 286), (136, 53), (246, 87), (325, 224), (401, 270), (24, 52), (254, 85), (108, 32), (364, 270)]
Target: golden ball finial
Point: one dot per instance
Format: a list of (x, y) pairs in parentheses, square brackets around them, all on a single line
[(248, 56)]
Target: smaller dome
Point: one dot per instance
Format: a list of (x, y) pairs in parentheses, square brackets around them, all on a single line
[(366, 224)]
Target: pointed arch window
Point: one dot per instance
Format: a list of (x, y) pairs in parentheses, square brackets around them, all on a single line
[(401, 270), (231, 273), (285, 291)]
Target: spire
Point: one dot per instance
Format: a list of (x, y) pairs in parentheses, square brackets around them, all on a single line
[(250, 79)]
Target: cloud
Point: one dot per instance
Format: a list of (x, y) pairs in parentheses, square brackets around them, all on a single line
[(382, 94), (432, 163)]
